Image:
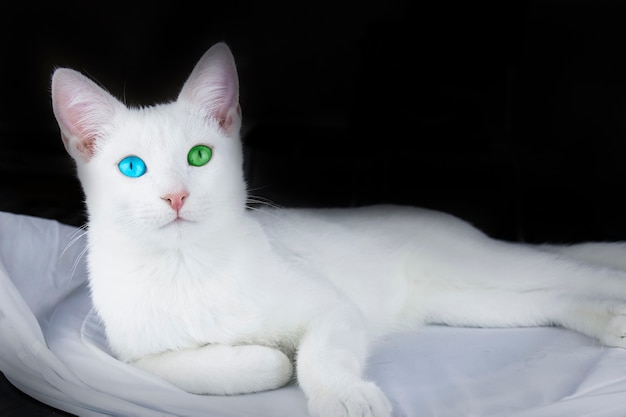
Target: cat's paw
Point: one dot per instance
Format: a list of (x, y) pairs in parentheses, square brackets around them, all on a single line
[(615, 333), (221, 369), (363, 399), (265, 368)]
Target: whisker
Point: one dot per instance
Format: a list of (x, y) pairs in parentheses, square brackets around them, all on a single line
[(262, 201), (76, 236), (275, 214), (77, 262)]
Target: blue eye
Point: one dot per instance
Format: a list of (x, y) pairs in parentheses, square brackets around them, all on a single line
[(132, 166)]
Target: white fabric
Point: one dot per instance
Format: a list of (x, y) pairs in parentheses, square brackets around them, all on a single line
[(52, 347)]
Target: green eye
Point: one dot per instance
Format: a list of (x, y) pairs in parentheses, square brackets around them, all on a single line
[(199, 155)]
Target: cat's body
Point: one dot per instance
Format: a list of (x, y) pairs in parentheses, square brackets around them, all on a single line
[(219, 299)]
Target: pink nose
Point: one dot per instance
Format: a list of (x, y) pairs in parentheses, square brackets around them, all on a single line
[(176, 200)]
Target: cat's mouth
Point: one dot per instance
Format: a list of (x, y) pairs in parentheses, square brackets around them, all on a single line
[(177, 222)]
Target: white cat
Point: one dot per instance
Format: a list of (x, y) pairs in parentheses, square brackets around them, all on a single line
[(219, 299)]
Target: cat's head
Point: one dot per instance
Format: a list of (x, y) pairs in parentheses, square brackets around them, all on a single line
[(164, 172)]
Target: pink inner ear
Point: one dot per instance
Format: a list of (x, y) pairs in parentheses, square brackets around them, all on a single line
[(228, 122), (81, 109), (213, 87), (86, 147)]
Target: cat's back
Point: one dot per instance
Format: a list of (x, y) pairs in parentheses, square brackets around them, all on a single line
[(366, 242), (378, 223)]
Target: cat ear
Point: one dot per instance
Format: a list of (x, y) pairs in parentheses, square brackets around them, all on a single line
[(82, 109), (213, 88)]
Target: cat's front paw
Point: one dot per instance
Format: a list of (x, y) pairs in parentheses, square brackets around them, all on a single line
[(363, 399), (264, 368)]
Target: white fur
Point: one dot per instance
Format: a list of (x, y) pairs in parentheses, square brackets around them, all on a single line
[(228, 300)]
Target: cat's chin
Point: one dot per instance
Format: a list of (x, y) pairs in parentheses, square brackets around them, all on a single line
[(179, 229), (175, 233)]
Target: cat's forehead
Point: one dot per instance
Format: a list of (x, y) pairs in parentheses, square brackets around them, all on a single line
[(162, 127)]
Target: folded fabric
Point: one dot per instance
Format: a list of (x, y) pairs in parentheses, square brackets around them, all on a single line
[(52, 347)]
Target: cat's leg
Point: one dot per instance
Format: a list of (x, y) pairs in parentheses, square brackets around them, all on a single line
[(221, 369), (331, 358), (497, 284), (598, 317), (610, 254)]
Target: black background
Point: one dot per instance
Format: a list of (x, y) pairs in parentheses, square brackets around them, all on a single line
[(511, 115)]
